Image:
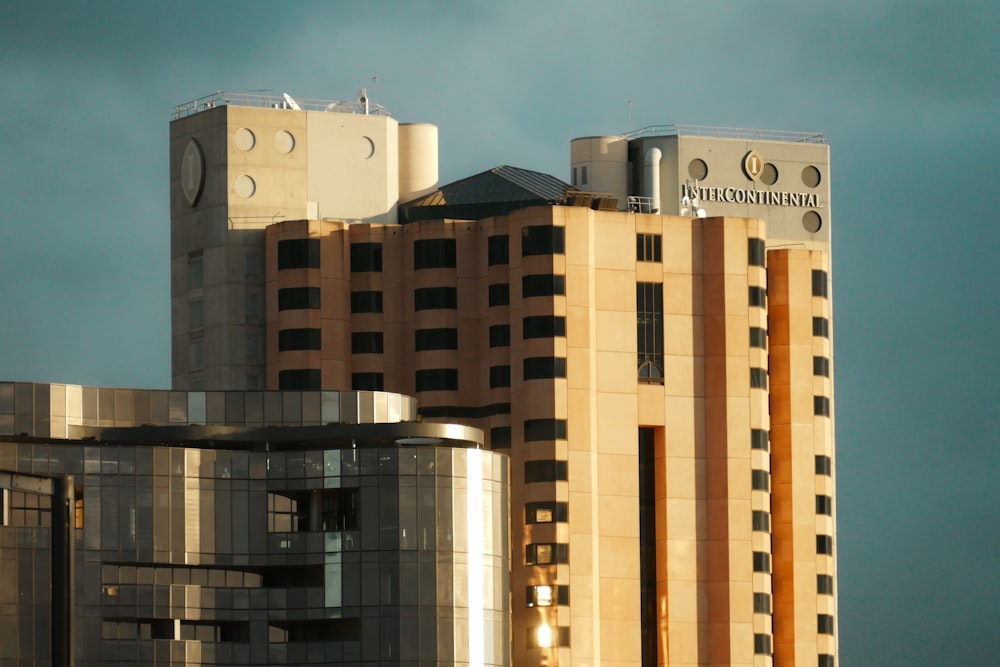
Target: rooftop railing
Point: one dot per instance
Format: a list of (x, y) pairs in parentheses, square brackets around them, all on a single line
[(726, 133), (267, 100)]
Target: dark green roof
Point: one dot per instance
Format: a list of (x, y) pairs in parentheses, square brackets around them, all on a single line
[(495, 192)]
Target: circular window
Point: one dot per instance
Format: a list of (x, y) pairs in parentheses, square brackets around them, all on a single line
[(769, 174), (811, 176), (245, 186), (364, 147), (811, 221), (192, 172), (245, 139), (284, 142), (698, 170)]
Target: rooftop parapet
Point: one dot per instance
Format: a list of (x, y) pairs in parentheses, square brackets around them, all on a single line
[(726, 133), (266, 100)]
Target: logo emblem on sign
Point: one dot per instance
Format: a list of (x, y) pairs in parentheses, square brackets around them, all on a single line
[(753, 165)]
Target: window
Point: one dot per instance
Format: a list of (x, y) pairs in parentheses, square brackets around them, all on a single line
[(546, 554), (545, 636), (196, 314), (546, 512), (760, 480), (437, 379), (366, 342), (546, 596), (824, 545), (824, 465), (253, 346), (500, 437), (824, 505), (649, 331), (821, 327), (820, 283), (544, 326), (762, 521), (434, 254), (298, 254), (366, 257), (498, 249), (543, 240), (545, 471), (544, 429), (499, 376), (301, 379), (758, 439), (826, 660), (758, 337), (824, 584), (367, 382), (583, 175), (500, 335), (824, 624), (196, 276), (431, 298), (755, 252), (196, 353), (761, 603), (252, 306), (251, 264), (761, 561), (758, 378), (368, 301), (758, 297), (762, 644), (648, 248), (542, 285), (294, 298), (436, 339), (499, 294), (821, 366), (298, 339), (821, 406), (543, 368)]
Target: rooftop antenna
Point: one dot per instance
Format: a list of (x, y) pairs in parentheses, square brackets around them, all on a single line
[(629, 128), (363, 100), (690, 204), (291, 102), (375, 92)]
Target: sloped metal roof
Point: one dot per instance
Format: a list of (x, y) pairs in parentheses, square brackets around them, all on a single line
[(500, 184)]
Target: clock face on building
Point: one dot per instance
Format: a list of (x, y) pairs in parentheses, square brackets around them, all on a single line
[(192, 172)]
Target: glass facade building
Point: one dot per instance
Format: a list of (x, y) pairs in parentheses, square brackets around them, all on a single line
[(243, 528)]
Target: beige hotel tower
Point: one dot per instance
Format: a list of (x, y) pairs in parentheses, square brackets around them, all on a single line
[(651, 344)]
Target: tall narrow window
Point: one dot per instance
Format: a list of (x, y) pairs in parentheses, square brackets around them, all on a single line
[(498, 250), (649, 247), (195, 271), (820, 283), (649, 330), (755, 252), (647, 544)]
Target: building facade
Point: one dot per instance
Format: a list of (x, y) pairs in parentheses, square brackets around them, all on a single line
[(652, 348), (248, 528)]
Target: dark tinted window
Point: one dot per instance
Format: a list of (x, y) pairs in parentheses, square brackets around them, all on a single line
[(431, 298), (437, 379), (824, 584), (824, 465), (755, 252), (544, 326), (499, 376), (758, 337), (542, 285), (824, 545), (546, 511), (761, 561), (366, 257), (758, 378), (544, 429), (760, 480), (545, 471), (761, 521), (498, 249), (824, 624), (758, 297), (762, 644), (821, 327), (434, 254), (649, 247), (366, 302), (366, 342), (820, 284), (546, 554), (540, 368), (298, 339), (436, 339), (821, 366), (500, 437), (294, 298), (761, 603), (649, 331), (543, 240), (824, 505), (758, 439), (367, 382), (826, 660), (499, 294), (821, 406), (298, 254), (500, 335), (302, 379)]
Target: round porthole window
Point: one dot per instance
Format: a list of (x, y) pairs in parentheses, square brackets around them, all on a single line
[(811, 176), (245, 186), (697, 169), (284, 142), (769, 174), (244, 139), (811, 222)]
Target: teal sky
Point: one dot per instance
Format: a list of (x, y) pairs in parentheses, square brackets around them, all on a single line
[(908, 94)]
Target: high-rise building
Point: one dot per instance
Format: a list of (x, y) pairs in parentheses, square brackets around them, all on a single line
[(650, 343)]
